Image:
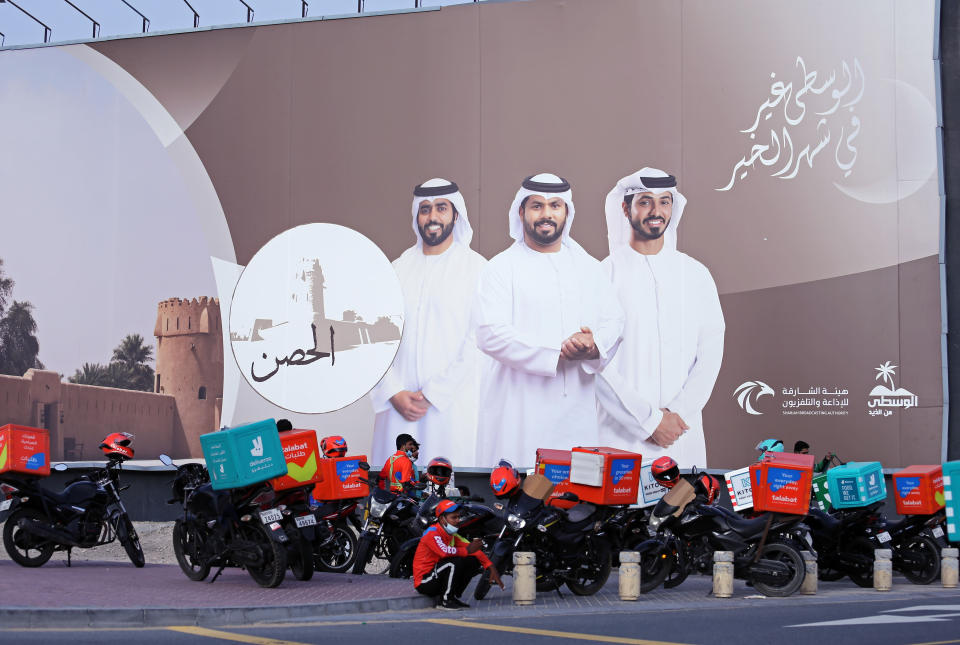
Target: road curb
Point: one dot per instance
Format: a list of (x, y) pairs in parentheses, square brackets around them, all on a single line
[(11, 617)]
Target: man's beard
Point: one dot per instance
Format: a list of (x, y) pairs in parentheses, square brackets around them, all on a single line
[(547, 239), (436, 238), (639, 231)]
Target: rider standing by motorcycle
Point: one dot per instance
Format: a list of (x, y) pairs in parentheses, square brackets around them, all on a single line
[(445, 562), (399, 473), (803, 448)]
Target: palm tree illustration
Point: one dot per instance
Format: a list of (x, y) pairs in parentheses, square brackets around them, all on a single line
[(886, 372)]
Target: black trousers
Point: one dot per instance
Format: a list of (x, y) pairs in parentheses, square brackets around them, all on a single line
[(450, 577)]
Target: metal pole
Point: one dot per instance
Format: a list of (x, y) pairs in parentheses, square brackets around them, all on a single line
[(146, 21), (303, 8), (359, 6), (249, 11), (96, 25), (3, 38), (196, 16), (47, 32)]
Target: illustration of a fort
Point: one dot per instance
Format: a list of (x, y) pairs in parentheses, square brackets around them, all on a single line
[(186, 401)]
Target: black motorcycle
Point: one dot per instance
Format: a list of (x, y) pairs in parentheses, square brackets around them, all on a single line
[(222, 528), (389, 521), (300, 524), (845, 540), (687, 532), (476, 521), (335, 545), (88, 512), (568, 546)]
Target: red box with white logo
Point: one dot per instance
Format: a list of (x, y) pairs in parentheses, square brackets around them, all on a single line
[(338, 479), (302, 454), (781, 483), (24, 450), (605, 476), (555, 466), (919, 490)]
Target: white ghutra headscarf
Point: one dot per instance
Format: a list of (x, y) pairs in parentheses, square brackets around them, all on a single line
[(441, 188), (547, 185), (619, 230)]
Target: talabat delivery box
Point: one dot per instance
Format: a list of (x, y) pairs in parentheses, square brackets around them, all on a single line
[(244, 455), (605, 475), (919, 490), (782, 483), (555, 466), (339, 479), (302, 453), (24, 450)]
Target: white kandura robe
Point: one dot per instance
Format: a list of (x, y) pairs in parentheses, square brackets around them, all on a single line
[(437, 355), (670, 356), (528, 304)]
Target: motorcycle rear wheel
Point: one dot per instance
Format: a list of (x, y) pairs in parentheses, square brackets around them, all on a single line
[(789, 556), (484, 583), (401, 566), (24, 548), (338, 555), (926, 566), (862, 575), (598, 555), (300, 556), (131, 541), (188, 547), (270, 571)]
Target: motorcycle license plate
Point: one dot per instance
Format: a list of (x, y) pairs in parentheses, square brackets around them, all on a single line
[(306, 520), (5, 504), (937, 531), (883, 537), (271, 515)]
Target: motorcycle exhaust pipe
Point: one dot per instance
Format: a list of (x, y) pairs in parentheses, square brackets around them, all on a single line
[(44, 530)]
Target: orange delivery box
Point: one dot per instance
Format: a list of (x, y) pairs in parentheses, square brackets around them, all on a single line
[(555, 466), (301, 452), (606, 476), (24, 450), (338, 479), (919, 490)]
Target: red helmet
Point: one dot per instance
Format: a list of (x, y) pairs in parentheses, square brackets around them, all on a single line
[(666, 471), (333, 446), (117, 446), (708, 486), (446, 506), (504, 479), (439, 470)]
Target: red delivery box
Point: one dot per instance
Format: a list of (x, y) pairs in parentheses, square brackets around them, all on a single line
[(781, 483), (338, 479), (919, 490), (555, 466), (24, 450), (605, 475), (302, 455)]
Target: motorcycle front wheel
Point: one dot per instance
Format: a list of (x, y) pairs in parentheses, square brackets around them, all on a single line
[(484, 583), (24, 548), (789, 556), (338, 555), (188, 546), (272, 565), (655, 566), (919, 560), (131, 541), (594, 570), (364, 552)]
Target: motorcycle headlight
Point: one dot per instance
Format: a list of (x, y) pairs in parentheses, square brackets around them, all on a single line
[(424, 521), (655, 521), (515, 522), (377, 509)]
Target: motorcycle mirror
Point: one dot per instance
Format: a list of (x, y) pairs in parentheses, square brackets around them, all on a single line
[(60, 467), (363, 465), (165, 460)]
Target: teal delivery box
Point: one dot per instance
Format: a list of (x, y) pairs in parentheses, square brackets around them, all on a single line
[(951, 498), (857, 483), (244, 455)]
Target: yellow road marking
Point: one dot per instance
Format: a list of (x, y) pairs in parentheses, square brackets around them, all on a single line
[(546, 632), (230, 636)]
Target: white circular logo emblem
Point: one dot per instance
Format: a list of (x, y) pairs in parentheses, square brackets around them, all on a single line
[(316, 318)]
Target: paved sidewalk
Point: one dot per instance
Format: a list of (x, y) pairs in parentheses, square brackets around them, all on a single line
[(110, 594)]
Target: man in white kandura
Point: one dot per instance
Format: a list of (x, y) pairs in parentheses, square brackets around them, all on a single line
[(652, 393), (431, 391), (550, 318)]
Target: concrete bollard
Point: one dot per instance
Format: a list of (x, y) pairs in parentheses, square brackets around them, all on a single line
[(809, 586), (882, 569), (948, 568), (629, 575), (524, 578), (722, 574)]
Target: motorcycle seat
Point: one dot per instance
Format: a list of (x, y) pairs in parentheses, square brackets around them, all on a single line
[(747, 528), (580, 512)]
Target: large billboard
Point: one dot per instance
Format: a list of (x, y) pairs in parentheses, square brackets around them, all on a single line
[(141, 176)]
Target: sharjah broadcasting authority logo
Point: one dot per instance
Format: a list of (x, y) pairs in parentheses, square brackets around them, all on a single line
[(316, 318), (748, 393)]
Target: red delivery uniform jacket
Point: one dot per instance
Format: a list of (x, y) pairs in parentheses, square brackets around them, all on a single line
[(436, 544), (397, 471)]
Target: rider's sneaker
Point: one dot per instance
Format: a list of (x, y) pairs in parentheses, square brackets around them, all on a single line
[(459, 603), (451, 604)]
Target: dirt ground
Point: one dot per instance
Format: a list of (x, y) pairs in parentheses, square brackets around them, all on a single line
[(155, 538)]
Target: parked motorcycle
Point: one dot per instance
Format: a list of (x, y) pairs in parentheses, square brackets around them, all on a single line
[(389, 521), (568, 546), (335, 546), (300, 523), (222, 528), (87, 513), (766, 549)]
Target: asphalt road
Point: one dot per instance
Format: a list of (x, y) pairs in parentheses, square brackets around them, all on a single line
[(921, 621)]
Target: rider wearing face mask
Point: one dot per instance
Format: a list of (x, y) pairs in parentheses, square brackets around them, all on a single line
[(399, 473), (445, 561)]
